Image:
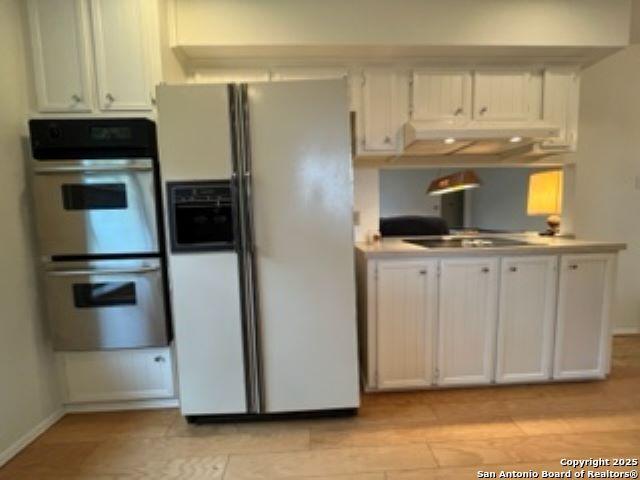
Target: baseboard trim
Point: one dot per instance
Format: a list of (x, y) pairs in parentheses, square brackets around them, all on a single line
[(626, 330), (30, 436), (117, 406)]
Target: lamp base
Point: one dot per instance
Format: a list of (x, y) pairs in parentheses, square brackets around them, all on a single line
[(553, 221)]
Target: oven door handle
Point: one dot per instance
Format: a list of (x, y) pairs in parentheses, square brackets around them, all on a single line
[(90, 169), (96, 271)]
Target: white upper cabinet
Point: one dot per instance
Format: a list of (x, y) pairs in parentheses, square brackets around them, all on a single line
[(582, 330), (383, 111), (94, 55), (121, 55), (60, 47), (467, 321), (501, 95), (560, 105), (441, 95), (407, 310), (526, 319)]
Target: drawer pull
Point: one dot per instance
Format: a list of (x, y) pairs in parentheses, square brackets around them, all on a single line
[(513, 269), (159, 359), (423, 272), (485, 270), (573, 267)]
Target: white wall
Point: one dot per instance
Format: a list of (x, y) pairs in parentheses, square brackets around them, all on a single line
[(403, 22), (28, 392), (607, 182)]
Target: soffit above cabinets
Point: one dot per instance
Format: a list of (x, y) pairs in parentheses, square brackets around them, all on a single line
[(465, 31), (203, 56)]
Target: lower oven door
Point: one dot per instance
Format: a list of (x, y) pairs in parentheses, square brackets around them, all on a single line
[(106, 304), (93, 207)]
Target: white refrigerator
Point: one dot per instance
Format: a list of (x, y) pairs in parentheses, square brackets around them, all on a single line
[(268, 327)]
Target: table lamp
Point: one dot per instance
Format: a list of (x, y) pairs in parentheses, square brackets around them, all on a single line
[(545, 198)]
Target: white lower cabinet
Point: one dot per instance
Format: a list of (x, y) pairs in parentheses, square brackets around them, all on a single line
[(583, 328), (407, 309), (118, 375), (468, 299), (526, 318), (477, 320)]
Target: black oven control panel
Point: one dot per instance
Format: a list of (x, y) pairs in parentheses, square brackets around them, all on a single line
[(91, 138), (201, 215)]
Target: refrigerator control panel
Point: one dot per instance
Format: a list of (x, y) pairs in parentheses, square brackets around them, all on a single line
[(201, 216)]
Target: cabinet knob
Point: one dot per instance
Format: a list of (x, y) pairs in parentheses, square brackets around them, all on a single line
[(513, 269), (458, 111), (159, 359), (483, 110), (573, 267), (76, 98), (110, 98), (485, 270), (387, 140)]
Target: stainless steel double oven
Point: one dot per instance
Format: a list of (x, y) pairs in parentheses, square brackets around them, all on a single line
[(96, 199)]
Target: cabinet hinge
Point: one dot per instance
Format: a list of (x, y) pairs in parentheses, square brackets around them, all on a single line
[(375, 273), (437, 374), (439, 270)]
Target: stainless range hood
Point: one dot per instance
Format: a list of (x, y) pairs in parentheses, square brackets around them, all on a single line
[(425, 138)]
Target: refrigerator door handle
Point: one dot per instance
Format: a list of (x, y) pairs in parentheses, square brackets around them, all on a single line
[(242, 176)]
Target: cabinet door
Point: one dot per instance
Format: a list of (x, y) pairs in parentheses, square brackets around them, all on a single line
[(381, 120), (501, 95), (406, 314), (59, 42), (441, 95), (526, 319), (467, 321), (583, 330), (117, 375), (560, 105), (122, 56)]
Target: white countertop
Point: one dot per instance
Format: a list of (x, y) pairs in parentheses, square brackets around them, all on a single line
[(391, 247)]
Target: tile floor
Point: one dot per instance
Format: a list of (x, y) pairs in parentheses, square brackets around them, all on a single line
[(448, 434)]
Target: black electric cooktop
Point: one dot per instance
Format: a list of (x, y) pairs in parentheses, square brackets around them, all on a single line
[(467, 242)]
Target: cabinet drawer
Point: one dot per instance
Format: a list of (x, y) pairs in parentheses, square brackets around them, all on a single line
[(117, 375)]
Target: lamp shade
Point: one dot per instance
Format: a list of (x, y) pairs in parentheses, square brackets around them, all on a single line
[(454, 183), (545, 193)]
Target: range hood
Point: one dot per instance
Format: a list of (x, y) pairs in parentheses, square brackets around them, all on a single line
[(425, 138)]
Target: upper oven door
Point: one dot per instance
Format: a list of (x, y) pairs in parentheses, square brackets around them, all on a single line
[(94, 207)]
